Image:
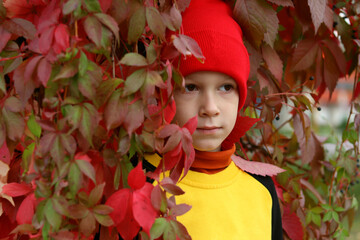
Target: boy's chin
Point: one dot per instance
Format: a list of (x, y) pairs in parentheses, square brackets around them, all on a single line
[(208, 148)]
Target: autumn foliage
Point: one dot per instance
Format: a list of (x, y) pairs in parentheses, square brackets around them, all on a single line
[(86, 92)]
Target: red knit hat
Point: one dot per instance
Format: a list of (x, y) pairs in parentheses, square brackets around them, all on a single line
[(210, 23)]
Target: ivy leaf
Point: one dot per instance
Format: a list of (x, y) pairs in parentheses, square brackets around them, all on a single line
[(109, 22), (16, 189), (155, 22), (96, 194), (20, 27), (92, 5), (89, 118), (143, 211), (304, 55), (52, 216), (134, 81), (292, 224), (273, 61), (15, 124), (4, 155), (74, 178), (284, 3), (136, 25), (158, 227), (135, 117), (24, 88), (92, 28), (26, 210), (33, 126), (136, 177), (119, 201), (102, 209), (258, 168), (70, 6), (44, 71), (87, 225), (187, 45), (179, 209), (115, 110), (134, 59), (104, 220), (170, 187), (317, 10), (5, 37), (86, 168)]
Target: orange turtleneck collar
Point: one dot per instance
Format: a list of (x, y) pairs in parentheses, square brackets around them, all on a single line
[(212, 162)]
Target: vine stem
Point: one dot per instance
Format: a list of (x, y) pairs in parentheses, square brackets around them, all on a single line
[(10, 58)]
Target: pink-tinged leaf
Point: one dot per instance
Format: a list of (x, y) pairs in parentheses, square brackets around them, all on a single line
[(258, 168), (192, 46), (191, 124), (5, 154), (87, 169), (30, 67), (44, 71), (5, 37), (189, 159), (49, 16), (16, 189), (331, 70), (292, 224), (15, 124), (329, 18), (176, 17), (115, 110), (136, 177), (284, 3), (23, 88), (158, 199), (92, 28), (155, 22), (167, 130), (61, 36), (273, 61), (169, 185), (136, 25), (144, 212), (317, 10), (179, 209), (20, 27), (134, 81), (119, 201), (109, 22), (134, 59), (46, 40), (46, 142), (105, 5), (337, 53), (172, 142), (304, 55), (26, 210), (134, 118)]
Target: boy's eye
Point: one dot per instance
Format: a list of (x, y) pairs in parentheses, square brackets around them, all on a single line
[(190, 87), (226, 87)]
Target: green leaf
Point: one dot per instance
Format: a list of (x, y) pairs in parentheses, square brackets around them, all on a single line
[(52, 216), (134, 59), (151, 53), (109, 22), (105, 89), (60, 205), (317, 210), (83, 64), (45, 230), (2, 83), (134, 82), (115, 110), (86, 87), (136, 25), (86, 168), (92, 5), (74, 179), (33, 126), (155, 22), (316, 218), (158, 228), (2, 10), (335, 216), (26, 156), (327, 216), (96, 194), (103, 209), (70, 6), (104, 220), (93, 29), (89, 120)]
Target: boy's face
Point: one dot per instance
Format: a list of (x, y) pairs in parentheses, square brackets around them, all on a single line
[(212, 97)]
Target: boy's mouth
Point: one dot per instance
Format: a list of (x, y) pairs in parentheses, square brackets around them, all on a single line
[(207, 129)]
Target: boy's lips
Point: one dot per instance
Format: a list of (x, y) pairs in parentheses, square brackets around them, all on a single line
[(208, 129)]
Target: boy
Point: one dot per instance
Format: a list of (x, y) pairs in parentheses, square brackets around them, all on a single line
[(227, 203)]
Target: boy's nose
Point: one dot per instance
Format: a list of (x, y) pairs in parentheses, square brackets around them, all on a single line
[(209, 106)]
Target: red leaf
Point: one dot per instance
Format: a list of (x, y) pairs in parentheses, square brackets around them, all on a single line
[(119, 201), (5, 154), (5, 37), (129, 227), (167, 130), (191, 124), (242, 125), (171, 187), (258, 168), (134, 118), (61, 35), (284, 3), (49, 16), (46, 39), (304, 55), (92, 28), (273, 61), (20, 27), (44, 71), (180, 209), (26, 210), (16, 189), (317, 9), (292, 225), (144, 212), (136, 178), (105, 5), (30, 67)]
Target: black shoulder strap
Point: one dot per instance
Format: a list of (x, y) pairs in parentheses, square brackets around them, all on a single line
[(276, 228)]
